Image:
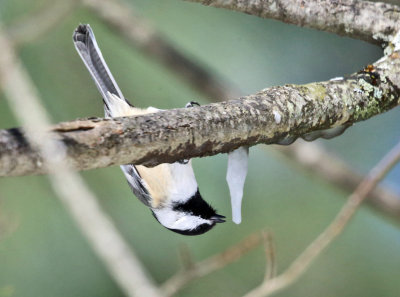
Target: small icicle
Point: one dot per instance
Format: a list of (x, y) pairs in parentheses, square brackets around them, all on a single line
[(235, 177)]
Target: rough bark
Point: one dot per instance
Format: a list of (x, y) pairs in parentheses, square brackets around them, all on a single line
[(374, 22), (270, 116)]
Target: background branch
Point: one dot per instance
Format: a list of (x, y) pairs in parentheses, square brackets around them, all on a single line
[(33, 26), (300, 265), (211, 264), (317, 161), (108, 244), (270, 255), (122, 18), (345, 17)]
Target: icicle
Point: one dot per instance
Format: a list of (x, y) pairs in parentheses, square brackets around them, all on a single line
[(236, 176)]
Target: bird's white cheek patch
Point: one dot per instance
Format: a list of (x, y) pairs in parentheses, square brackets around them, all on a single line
[(189, 222), (236, 176)]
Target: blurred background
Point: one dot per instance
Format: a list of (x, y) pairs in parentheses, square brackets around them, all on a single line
[(42, 252)]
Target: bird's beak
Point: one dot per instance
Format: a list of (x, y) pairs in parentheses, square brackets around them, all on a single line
[(218, 218)]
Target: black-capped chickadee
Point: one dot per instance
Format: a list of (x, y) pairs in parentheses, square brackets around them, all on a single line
[(169, 190)]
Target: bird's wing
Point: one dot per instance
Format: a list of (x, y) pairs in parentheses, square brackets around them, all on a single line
[(136, 183)]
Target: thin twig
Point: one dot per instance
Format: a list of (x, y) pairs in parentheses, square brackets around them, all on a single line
[(108, 244), (270, 255), (332, 169), (211, 264), (186, 257), (8, 224), (33, 26), (303, 262)]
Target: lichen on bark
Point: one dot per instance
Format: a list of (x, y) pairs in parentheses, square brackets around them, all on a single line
[(303, 111)]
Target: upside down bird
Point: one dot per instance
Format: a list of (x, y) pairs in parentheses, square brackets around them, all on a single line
[(169, 190)]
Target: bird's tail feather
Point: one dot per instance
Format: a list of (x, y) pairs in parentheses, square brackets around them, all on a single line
[(86, 45)]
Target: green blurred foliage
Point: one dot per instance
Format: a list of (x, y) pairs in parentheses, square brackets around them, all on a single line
[(46, 254)]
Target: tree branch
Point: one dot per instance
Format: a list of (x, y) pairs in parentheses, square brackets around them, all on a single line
[(211, 264), (273, 115), (270, 255), (300, 265), (316, 160), (32, 27), (120, 261), (374, 22)]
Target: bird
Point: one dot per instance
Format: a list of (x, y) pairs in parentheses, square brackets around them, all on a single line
[(169, 190)]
